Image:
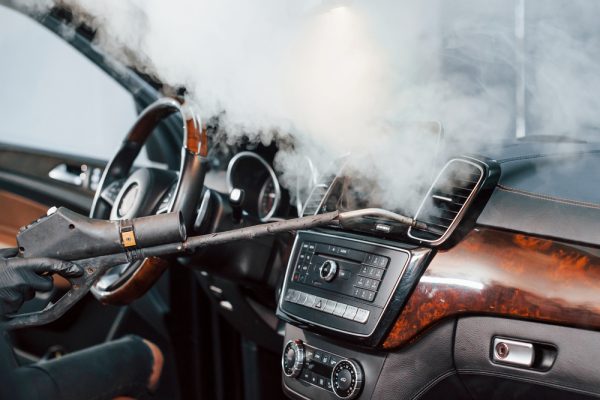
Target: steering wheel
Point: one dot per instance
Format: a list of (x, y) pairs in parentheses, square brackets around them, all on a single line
[(125, 192)]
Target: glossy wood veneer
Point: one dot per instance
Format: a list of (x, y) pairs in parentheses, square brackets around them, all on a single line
[(504, 274)]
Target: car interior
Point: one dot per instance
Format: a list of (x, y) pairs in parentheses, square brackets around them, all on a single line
[(491, 291)]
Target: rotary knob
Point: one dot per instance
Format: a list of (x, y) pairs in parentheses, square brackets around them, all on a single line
[(292, 360), (328, 270), (347, 379)]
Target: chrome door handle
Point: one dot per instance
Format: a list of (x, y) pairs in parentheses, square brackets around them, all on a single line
[(62, 174)]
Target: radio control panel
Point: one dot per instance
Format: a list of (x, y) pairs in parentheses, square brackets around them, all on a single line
[(339, 283)]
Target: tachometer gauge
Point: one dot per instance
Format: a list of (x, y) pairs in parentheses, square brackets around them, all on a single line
[(267, 199), (253, 174)]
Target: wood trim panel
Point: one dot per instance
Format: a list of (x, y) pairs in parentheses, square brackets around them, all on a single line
[(139, 283), (504, 274)]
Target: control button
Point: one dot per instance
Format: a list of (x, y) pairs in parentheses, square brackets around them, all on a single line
[(302, 298), (295, 277), (295, 296), (325, 359), (360, 282), (319, 303), (322, 382), (347, 379), (367, 295), (364, 270), (330, 306), (313, 379), (350, 312), (357, 292), (288, 294), (333, 360), (305, 245), (292, 360), (374, 285), (362, 316), (329, 386), (306, 375), (378, 273), (318, 356), (328, 270), (309, 355), (340, 309), (344, 274), (310, 300), (311, 247)]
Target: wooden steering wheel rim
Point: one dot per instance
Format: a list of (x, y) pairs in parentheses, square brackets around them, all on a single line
[(189, 186)]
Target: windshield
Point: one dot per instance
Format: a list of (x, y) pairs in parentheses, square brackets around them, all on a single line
[(337, 78)]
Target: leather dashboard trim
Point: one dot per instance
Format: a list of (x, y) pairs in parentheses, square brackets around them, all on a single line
[(542, 215)]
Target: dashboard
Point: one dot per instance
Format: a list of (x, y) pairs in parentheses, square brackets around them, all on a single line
[(498, 298), (364, 303)]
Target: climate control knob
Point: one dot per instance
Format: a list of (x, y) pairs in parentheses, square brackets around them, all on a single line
[(328, 270), (347, 379), (292, 360)]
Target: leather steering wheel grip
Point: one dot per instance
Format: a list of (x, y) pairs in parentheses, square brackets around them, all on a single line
[(189, 186)]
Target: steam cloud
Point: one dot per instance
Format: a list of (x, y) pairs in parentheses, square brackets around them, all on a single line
[(347, 77)]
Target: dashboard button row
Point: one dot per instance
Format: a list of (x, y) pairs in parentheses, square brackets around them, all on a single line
[(376, 261), (328, 306), (371, 272)]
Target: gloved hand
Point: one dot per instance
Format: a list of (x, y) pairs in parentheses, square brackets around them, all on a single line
[(20, 278)]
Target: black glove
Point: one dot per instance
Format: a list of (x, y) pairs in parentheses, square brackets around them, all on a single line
[(20, 279)]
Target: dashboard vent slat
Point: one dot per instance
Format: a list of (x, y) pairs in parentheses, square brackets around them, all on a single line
[(447, 200)]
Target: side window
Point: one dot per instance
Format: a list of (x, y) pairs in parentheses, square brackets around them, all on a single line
[(53, 98)]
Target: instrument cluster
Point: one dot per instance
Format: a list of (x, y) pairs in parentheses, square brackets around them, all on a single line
[(251, 173)]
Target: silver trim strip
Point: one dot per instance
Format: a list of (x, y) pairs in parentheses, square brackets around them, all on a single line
[(462, 210), (413, 258), (271, 172)]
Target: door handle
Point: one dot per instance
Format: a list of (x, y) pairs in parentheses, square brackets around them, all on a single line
[(61, 173)]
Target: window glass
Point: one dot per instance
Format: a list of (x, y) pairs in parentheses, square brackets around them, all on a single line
[(53, 98)]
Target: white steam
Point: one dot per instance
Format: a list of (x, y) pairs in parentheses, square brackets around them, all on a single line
[(346, 77)]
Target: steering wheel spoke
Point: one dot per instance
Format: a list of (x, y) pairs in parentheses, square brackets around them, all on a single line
[(110, 193)]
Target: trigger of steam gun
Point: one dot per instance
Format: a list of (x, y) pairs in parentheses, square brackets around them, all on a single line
[(96, 245)]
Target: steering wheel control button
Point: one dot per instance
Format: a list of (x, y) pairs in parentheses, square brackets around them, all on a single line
[(328, 270), (347, 379), (292, 360)]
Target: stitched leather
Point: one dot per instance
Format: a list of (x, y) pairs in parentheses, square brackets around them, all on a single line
[(575, 368), (412, 371)]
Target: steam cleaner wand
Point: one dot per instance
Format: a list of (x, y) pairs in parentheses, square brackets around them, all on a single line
[(97, 245)]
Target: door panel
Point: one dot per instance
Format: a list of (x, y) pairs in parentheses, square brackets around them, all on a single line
[(33, 174), (17, 211)]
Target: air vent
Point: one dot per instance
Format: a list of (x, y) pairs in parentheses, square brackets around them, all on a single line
[(317, 196), (447, 200)]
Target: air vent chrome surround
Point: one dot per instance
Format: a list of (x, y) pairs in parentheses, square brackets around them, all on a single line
[(315, 199), (446, 201)]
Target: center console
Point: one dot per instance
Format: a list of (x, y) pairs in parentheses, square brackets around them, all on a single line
[(341, 287)]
